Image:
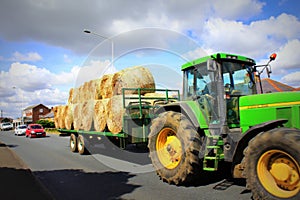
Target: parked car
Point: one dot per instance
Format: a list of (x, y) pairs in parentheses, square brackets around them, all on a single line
[(35, 130), (6, 126), (20, 129)]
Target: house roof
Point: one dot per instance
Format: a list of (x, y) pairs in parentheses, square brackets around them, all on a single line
[(270, 85), (49, 115), (33, 106)]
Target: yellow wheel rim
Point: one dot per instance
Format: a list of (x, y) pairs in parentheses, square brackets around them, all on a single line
[(278, 172), (168, 148)]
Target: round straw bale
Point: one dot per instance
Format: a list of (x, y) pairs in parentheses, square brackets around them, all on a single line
[(134, 77), (62, 115), (71, 95), (77, 115), (97, 89), (75, 95), (100, 114), (69, 116), (55, 112), (87, 114), (115, 112), (105, 87)]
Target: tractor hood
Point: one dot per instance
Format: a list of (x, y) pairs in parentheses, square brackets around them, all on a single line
[(256, 109)]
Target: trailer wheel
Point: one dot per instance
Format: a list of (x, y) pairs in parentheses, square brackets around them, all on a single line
[(272, 164), (174, 145), (73, 143), (80, 145)]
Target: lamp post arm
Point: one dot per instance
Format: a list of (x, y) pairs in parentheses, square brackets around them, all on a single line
[(112, 42)]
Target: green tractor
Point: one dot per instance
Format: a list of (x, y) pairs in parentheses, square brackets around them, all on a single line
[(226, 118)]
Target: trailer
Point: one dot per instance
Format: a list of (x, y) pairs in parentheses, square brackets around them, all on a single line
[(139, 111)]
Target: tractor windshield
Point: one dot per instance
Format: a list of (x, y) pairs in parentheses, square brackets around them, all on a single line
[(237, 77)]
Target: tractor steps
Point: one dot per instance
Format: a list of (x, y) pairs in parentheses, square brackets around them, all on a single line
[(213, 154)]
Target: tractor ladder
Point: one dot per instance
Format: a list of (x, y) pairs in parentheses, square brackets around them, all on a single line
[(213, 153)]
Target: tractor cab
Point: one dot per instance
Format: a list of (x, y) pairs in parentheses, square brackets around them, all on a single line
[(216, 82)]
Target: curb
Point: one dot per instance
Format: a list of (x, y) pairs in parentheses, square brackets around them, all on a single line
[(16, 178)]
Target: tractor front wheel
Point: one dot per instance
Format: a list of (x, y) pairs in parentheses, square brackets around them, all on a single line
[(174, 145), (272, 164)]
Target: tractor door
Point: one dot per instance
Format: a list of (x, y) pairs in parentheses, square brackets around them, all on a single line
[(238, 81), (203, 83)]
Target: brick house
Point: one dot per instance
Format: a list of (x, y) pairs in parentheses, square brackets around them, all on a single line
[(33, 113)]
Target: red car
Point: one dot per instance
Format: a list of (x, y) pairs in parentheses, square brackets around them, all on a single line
[(35, 130)]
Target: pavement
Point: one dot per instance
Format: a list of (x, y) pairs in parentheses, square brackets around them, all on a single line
[(16, 178)]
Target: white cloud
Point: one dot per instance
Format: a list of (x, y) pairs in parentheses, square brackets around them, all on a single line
[(287, 61), (25, 85), (254, 39), (292, 79), (28, 77), (237, 9), (112, 17), (30, 56), (288, 58), (93, 69), (284, 27), (197, 53)]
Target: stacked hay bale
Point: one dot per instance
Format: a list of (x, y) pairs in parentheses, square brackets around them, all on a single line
[(98, 104)]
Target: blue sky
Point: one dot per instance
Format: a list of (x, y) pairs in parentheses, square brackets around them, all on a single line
[(44, 51)]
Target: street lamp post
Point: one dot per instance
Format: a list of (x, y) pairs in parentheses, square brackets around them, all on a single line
[(112, 42), (14, 87)]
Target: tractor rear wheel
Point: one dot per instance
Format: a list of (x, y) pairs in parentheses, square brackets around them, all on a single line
[(174, 145), (272, 164)]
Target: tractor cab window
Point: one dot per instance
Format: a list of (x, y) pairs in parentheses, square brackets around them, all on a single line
[(198, 81), (189, 86), (238, 80)]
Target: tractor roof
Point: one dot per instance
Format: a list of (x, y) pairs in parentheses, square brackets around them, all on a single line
[(223, 56)]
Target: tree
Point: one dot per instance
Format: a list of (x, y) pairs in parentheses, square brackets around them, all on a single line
[(46, 123)]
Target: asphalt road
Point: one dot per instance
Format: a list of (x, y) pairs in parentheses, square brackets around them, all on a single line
[(69, 175)]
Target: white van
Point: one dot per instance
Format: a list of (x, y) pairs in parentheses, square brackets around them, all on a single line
[(6, 126)]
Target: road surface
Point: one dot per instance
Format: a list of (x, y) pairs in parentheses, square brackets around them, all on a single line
[(68, 175)]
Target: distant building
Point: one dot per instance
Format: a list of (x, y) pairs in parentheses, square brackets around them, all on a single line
[(33, 113), (49, 116), (269, 85), (5, 119)]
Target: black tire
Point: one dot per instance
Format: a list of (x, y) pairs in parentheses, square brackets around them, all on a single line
[(80, 145), (174, 145), (272, 163), (73, 143)]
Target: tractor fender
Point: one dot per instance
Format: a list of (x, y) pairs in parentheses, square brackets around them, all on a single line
[(251, 133), (180, 107)]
